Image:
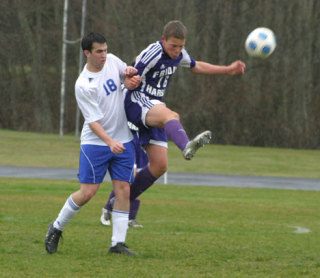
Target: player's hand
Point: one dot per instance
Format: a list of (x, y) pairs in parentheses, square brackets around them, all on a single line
[(130, 71), (116, 147), (237, 67), (132, 82)]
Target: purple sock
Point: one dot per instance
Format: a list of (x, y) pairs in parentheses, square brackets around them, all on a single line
[(143, 180), (176, 133), (109, 204), (134, 207)]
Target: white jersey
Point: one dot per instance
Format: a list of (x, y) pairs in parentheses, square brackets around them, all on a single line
[(100, 98)]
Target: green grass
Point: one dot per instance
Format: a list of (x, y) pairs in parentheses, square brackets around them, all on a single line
[(188, 232), (38, 149), (49, 150)]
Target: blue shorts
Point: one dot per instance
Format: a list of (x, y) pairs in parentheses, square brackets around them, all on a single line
[(95, 161), (137, 106)]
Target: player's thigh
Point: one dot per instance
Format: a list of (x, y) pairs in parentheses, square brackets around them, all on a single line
[(121, 167), (159, 114), (93, 163), (137, 105), (158, 155)]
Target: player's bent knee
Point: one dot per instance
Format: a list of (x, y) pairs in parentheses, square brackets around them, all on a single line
[(172, 116), (122, 191), (158, 169)]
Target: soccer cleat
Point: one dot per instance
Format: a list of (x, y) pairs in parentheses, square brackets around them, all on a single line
[(133, 223), (121, 248), (52, 239), (196, 143), (105, 217)]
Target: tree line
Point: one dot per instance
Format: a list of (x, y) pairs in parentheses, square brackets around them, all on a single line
[(276, 103)]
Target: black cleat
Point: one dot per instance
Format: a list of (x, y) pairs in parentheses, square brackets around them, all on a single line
[(121, 248), (133, 223), (52, 239)]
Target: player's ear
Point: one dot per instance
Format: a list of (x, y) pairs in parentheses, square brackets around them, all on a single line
[(86, 52)]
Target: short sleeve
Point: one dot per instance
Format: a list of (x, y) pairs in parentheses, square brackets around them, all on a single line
[(187, 61), (87, 99), (120, 65)]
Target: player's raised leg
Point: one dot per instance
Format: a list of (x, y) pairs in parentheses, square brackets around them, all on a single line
[(161, 116)]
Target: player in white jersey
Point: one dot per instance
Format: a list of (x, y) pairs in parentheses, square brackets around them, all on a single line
[(140, 162), (145, 107), (106, 141)]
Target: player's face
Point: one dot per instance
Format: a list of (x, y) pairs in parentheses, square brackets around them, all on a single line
[(98, 55), (173, 46)]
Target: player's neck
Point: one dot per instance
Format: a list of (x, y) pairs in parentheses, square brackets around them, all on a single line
[(94, 68)]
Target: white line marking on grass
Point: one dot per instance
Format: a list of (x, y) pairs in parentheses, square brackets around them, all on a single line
[(301, 230)]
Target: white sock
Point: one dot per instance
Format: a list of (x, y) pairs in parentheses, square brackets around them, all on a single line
[(67, 212), (119, 226)]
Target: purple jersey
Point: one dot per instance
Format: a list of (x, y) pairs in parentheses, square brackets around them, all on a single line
[(156, 68)]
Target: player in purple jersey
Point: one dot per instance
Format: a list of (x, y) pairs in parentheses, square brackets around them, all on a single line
[(145, 107)]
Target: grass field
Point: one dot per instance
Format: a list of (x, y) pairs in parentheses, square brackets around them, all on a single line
[(188, 231)]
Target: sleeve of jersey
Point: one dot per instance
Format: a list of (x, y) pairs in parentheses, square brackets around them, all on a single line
[(86, 99), (120, 65), (187, 61), (148, 58)]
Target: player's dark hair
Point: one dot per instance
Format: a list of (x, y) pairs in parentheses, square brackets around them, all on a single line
[(176, 29), (88, 40)]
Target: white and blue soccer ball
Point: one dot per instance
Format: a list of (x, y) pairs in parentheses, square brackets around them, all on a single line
[(261, 42)]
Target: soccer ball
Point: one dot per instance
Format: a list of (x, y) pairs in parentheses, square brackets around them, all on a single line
[(261, 42)]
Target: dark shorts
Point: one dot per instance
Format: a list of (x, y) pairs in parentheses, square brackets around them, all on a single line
[(137, 106), (141, 155)]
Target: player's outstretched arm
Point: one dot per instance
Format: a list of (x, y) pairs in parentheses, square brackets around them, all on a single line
[(237, 67)]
